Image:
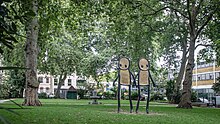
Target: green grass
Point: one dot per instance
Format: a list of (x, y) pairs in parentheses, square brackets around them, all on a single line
[(58, 111)]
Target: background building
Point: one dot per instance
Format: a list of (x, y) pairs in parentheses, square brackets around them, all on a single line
[(204, 76), (48, 84)]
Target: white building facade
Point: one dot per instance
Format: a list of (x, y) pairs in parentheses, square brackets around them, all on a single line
[(48, 84)]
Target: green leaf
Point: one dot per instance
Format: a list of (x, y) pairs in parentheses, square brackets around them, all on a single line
[(30, 13), (6, 0), (13, 68), (8, 44), (14, 27), (1, 51), (11, 39)]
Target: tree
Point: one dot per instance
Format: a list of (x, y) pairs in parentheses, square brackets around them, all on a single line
[(7, 26), (196, 16), (197, 20), (61, 40), (17, 83), (31, 52), (216, 86)]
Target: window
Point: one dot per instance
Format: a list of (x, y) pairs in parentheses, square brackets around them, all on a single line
[(194, 78), (203, 76), (47, 79), (69, 82), (207, 77), (199, 77), (211, 76), (207, 65), (55, 81), (202, 64), (47, 90), (40, 79), (41, 89), (217, 74)]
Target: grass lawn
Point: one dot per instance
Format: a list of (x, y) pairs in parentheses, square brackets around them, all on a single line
[(59, 111)]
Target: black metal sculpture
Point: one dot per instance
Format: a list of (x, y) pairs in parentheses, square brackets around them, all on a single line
[(144, 78), (124, 78)]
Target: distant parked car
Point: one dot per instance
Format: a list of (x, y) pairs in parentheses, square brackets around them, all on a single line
[(203, 100), (51, 96)]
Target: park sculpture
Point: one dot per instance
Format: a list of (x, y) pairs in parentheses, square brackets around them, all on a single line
[(144, 77), (124, 78)]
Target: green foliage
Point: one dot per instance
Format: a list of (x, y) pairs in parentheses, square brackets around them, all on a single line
[(109, 95), (42, 95), (82, 93), (114, 90), (216, 86), (172, 96), (7, 26), (16, 81), (124, 94), (156, 96), (194, 96), (134, 95), (217, 48), (4, 90)]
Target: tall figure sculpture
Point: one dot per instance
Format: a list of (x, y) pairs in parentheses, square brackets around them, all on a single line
[(124, 78), (144, 78)]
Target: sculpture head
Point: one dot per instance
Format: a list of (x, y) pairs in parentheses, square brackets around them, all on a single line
[(143, 64), (124, 63)]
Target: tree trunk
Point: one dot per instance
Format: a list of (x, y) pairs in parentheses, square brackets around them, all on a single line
[(181, 72), (61, 82), (31, 52), (185, 101), (21, 93)]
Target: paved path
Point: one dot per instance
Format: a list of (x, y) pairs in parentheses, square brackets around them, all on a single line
[(5, 100)]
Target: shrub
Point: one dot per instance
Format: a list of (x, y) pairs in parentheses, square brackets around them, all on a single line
[(42, 95), (4, 91), (216, 86), (156, 96), (124, 94), (81, 93), (194, 96), (134, 95), (109, 95), (172, 96)]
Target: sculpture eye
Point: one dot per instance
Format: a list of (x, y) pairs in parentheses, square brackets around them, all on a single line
[(146, 65), (142, 66), (120, 65), (125, 66)]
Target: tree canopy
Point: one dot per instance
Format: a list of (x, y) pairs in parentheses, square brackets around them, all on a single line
[(87, 36)]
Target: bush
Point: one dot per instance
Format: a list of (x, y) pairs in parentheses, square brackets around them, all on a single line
[(156, 96), (42, 95), (216, 86), (172, 96), (81, 93), (100, 93), (194, 96), (134, 95), (124, 94), (4, 91), (109, 95)]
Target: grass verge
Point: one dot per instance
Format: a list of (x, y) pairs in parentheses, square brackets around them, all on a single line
[(60, 111)]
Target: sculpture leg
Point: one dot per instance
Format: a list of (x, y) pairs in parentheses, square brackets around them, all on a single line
[(139, 97), (131, 106), (148, 99), (119, 94)]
